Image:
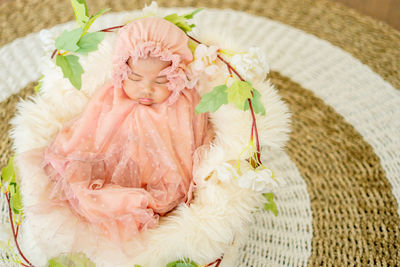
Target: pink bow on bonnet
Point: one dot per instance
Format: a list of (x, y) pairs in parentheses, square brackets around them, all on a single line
[(154, 37)]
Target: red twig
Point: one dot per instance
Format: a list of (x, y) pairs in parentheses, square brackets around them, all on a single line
[(217, 261), (54, 52), (255, 130), (112, 28), (254, 125), (15, 235)]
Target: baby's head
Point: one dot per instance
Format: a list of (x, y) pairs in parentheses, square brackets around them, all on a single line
[(145, 84), (157, 50)]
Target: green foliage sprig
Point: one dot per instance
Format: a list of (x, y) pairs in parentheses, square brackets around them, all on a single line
[(182, 263), (39, 85), (9, 185), (270, 204), (244, 96), (181, 20), (10, 188), (79, 41), (71, 260), (237, 93)]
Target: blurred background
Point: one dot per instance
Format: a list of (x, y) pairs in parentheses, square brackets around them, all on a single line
[(385, 10)]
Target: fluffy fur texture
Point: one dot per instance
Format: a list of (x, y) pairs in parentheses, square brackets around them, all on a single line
[(214, 223)]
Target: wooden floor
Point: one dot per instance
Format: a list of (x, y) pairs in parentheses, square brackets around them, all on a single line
[(385, 10)]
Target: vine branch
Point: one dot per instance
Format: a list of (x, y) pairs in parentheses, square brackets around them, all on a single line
[(254, 125), (15, 233)]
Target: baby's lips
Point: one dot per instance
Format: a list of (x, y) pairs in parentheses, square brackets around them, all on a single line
[(146, 100)]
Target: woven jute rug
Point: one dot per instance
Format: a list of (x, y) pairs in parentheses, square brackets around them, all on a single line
[(338, 70)]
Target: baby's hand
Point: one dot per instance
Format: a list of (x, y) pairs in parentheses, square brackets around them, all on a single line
[(96, 184)]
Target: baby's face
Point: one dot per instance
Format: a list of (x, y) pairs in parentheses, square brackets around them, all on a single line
[(144, 84)]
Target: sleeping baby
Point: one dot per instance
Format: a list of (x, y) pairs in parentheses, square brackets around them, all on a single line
[(128, 157)]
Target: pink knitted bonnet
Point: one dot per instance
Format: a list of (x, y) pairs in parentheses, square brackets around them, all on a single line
[(154, 37)]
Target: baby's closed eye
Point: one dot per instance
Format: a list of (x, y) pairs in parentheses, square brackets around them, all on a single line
[(161, 80)]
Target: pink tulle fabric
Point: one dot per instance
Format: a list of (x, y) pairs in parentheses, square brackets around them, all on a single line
[(121, 165)]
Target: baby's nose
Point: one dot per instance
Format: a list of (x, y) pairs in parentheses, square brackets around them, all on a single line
[(147, 87)]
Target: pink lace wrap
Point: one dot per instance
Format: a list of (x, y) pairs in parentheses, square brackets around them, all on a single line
[(162, 39), (119, 164)]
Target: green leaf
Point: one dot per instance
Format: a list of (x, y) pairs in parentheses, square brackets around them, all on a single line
[(81, 12), (89, 42), (171, 264), (71, 260), (93, 18), (238, 92), (269, 196), (258, 107), (16, 200), (71, 69), (179, 21), (8, 173), (54, 263), (137, 265), (184, 263), (39, 85), (190, 15), (270, 205), (68, 40), (213, 100)]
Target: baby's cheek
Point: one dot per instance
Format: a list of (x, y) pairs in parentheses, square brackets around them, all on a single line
[(129, 89), (164, 93)]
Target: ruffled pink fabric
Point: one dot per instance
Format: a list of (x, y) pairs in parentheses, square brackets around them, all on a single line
[(119, 164)]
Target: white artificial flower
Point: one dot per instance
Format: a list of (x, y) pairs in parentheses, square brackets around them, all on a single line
[(151, 10), (225, 172), (253, 65), (203, 59), (202, 63), (257, 180)]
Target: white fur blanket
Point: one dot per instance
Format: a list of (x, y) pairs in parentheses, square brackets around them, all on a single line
[(214, 223)]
